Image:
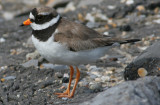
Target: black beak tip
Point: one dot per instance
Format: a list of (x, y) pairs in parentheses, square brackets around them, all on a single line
[(21, 25)]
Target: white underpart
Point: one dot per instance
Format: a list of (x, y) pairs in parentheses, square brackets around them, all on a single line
[(31, 16), (58, 53), (45, 25)]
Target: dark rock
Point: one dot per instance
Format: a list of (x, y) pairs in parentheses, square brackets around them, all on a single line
[(148, 59), (125, 28), (65, 80), (144, 91)]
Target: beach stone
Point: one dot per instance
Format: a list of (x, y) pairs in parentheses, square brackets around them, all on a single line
[(30, 63), (144, 91), (96, 87), (148, 59), (58, 75)]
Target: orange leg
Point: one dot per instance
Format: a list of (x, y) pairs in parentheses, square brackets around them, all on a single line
[(74, 88), (69, 85)]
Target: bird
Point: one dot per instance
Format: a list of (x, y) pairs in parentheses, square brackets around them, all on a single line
[(62, 41)]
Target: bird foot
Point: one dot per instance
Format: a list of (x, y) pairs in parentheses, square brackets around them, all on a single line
[(67, 96)]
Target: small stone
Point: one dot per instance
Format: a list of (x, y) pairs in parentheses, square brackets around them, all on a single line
[(7, 78), (64, 98), (2, 40), (105, 78), (58, 75), (111, 7), (8, 15), (98, 79), (140, 8), (92, 24), (48, 66), (142, 72), (81, 17), (96, 87), (65, 75), (65, 80), (90, 18), (125, 28), (70, 7), (33, 55), (83, 83), (106, 33), (30, 63), (129, 2)]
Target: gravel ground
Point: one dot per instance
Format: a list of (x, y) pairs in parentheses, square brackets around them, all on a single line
[(35, 84)]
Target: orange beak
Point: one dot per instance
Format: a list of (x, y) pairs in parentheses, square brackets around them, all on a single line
[(27, 22)]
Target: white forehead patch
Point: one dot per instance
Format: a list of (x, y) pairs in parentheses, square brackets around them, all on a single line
[(45, 25), (31, 16)]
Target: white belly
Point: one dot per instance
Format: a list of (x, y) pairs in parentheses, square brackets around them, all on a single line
[(57, 53)]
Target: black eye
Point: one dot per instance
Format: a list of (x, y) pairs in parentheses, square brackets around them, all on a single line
[(40, 17)]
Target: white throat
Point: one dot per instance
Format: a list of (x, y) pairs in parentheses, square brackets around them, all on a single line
[(45, 25)]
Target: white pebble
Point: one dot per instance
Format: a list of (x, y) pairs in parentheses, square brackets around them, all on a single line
[(2, 40)]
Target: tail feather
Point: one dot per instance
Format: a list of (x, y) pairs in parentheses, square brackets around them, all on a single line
[(130, 41)]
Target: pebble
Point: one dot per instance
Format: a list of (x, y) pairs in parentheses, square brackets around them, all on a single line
[(157, 21), (105, 78), (8, 15), (96, 87), (70, 7), (8, 78), (106, 33), (129, 2), (125, 28), (98, 79), (140, 8), (83, 83), (2, 40), (58, 74), (93, 68), (92, 24), (65, 80), (142, 72), (111, 7), (64, 98), (32, 62), (83, 3), (3, 68), (48, 66), (33, 55), (90, 18)]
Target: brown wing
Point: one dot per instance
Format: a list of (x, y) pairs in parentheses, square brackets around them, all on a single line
[(79, 37)]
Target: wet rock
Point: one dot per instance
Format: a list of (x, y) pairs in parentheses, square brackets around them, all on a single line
[(144, 91), (30, 63), (148, 59)]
